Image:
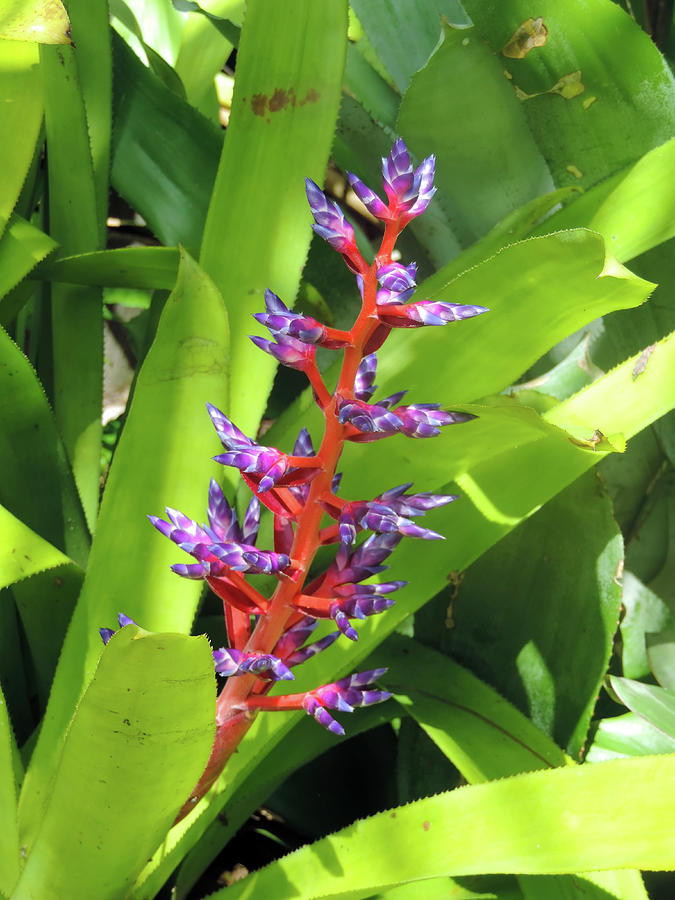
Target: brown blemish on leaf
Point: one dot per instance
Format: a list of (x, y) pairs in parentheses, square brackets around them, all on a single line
[(599, 441), (642, 361), (530, 34), (278, 100), (312, 96), (258, 104), (425, 825)]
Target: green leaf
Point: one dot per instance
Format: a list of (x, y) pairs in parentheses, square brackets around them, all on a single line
[(308, 743), (228, 29), (478, 184), (405, 34), (45, 603), (138, 267), (633, 209), (661, 655), (21, 116), (167, 436), (25, 553), (76, 312), (9, 833), (633, 109), (203, 52), (37, 485), (168, 181), (529, 312), (628, 735), (503, 490), (654, 704), (135, 746), (43, 21), (531, 831), (22, 247), (287, 92), (520, 618), (645, 612), (91, 31), (479, 731)]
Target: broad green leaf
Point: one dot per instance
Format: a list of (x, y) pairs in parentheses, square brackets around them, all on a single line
[(168, 181), (21, 116), (479, 731), (623, 111), (503, 490), (645, 612), (167, 437), (9, 833), (76, 312), (287, 92), (661, 656), (308, 743), (633, 209), (24, 553), (491, 165), (405, 34), (43, 21), (522, 617), (529, 311), (135, 746), (628, 735), (531, 827), (139, 267), (37, 486), (570, 375), (654, 704), (22, 247)]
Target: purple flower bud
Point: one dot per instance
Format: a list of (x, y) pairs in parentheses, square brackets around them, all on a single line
[(344, 695), (368, 417), (426, 312), (312, 707), (397, 282), (341, 619), (288, 350), (280, 320), (421, 420), (364, 386), (331, 224), (229, 662), (305, 653), (107, 633), (409, 191), (222, 518), (369, 198), (413, 504), (380, 518), (230, 436)]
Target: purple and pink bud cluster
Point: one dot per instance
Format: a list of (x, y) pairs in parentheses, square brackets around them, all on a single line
[(272, 632)]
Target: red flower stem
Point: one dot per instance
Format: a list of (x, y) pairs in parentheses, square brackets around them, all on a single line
[(231, 723)]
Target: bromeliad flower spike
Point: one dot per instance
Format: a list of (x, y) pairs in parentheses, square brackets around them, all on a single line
[(269, 637)]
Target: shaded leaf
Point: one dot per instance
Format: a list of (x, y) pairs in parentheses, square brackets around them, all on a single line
[(661, 656), (654, 704), (628, 735)]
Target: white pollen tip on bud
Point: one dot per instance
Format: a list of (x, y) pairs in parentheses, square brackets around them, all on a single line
[(395, 255)]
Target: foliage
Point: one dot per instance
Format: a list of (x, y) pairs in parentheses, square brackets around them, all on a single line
[(555, 163)]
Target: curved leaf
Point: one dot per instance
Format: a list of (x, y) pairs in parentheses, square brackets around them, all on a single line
[(539, 823), (167, 435), (135, 746)]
